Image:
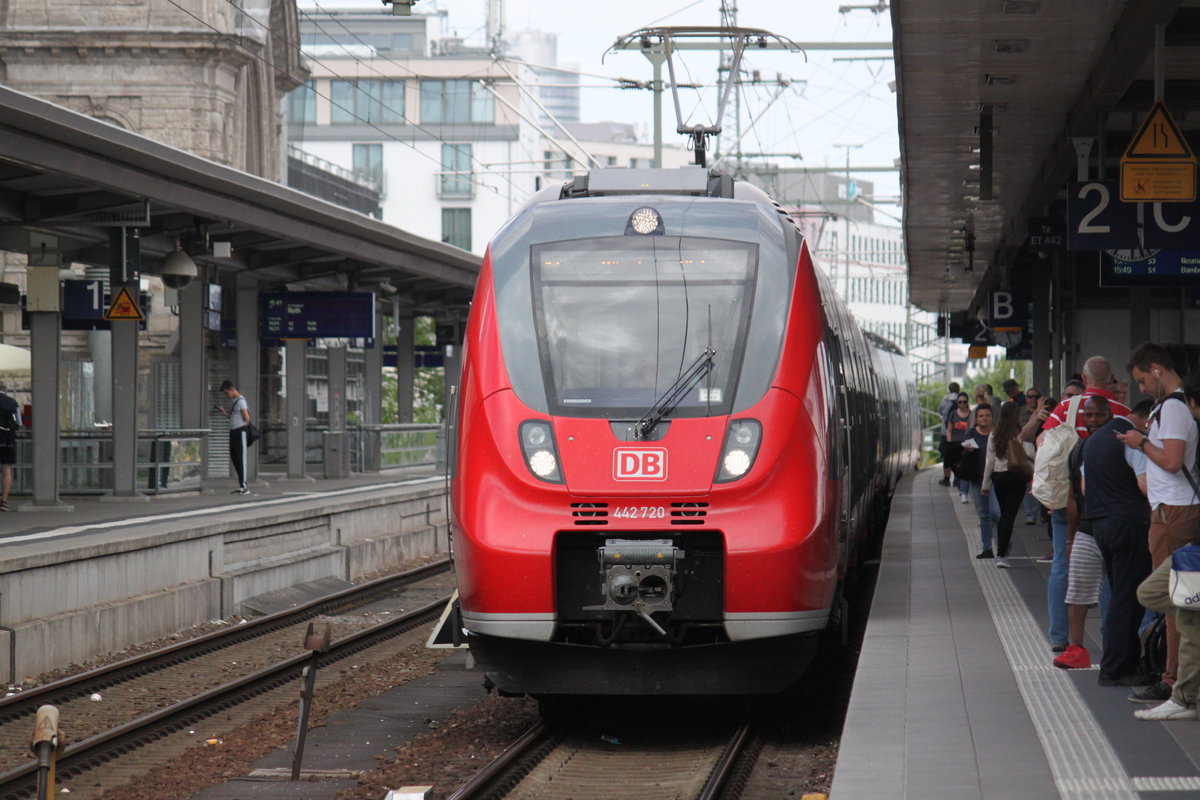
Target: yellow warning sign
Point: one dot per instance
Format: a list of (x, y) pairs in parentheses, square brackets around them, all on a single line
[(1158, 165), (124, 307), (1159, 137), (1158, 181)]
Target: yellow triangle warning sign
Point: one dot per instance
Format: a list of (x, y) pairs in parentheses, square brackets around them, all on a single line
[(1159, 137), (124, 307)]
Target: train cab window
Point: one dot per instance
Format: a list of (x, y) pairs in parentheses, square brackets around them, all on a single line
[(619, 319)]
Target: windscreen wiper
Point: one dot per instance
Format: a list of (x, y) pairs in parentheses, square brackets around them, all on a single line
[(674, 394)]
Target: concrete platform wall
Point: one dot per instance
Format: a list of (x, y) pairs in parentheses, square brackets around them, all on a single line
[(69, 604)]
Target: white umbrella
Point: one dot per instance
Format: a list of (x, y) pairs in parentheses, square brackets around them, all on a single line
[(14, 360)]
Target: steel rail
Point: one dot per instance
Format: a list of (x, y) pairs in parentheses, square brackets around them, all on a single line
[(75, 759), (499, 770), (26, 703), (724, 780), (503, 773)]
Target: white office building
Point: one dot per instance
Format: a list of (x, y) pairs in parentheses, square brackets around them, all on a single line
[(455, 140)]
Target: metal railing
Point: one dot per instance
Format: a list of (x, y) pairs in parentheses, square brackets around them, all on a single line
[(388, 447), (167, 461), (173, 460), (372, 448)]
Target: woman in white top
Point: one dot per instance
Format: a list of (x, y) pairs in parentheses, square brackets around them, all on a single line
[(1009, 469)]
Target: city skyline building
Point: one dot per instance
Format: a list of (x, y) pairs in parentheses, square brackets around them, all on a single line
[(455, 136)]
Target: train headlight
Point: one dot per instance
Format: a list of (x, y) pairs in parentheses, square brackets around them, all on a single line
[(645, 221), (541, 454), (741, 446), (543, 463), (736, 463)]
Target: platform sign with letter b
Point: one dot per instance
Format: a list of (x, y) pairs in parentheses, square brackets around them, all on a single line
[(1008, 316)]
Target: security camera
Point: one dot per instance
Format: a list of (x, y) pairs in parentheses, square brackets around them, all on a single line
[(177, 269)]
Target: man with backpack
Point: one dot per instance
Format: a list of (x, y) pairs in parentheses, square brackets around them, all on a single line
[(10, 421), (1051, 464), (946, 405), (1170, 447)]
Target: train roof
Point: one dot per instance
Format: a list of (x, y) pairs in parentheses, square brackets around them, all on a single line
[(688, 181)]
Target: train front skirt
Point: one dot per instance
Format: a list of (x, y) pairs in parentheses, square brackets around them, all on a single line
[(754, 667)]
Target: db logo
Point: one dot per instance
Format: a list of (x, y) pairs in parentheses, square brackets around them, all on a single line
[(640, 465)]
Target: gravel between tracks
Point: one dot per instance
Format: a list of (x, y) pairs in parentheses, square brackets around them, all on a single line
[(792, 762)]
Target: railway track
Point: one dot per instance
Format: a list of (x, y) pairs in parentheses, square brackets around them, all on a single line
[(167, 690), (550, 762)]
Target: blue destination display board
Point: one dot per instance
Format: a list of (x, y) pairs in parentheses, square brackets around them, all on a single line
[(1149, 267), (317, 315)]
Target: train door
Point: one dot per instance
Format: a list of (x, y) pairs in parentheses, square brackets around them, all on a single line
[(840, 443)]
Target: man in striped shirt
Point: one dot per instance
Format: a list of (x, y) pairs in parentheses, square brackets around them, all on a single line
[(1097, 379)]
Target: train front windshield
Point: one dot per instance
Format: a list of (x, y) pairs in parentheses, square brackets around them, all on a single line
[(620, 319)]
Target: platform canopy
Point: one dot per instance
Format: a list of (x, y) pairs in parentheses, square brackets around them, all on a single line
[(66, 179), (992, 99)]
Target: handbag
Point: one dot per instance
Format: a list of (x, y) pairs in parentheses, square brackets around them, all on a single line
[(253, 434), (967, 466), (1018, 461), (1185, 577)]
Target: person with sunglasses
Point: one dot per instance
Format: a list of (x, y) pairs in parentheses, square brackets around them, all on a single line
[(955, 430)]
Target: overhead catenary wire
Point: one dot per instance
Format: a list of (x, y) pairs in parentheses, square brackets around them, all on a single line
[(400, 113), (333, 103), (522, 88), (531, 121), (778, 93)]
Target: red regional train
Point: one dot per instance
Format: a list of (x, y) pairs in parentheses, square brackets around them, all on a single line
[(671, 438)]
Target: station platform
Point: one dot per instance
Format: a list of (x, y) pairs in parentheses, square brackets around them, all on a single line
[(24, 530), (97, 575), (956, 695)]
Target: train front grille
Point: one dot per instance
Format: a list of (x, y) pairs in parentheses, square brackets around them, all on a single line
[(590, 514)]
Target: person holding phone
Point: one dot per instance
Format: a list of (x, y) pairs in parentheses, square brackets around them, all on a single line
[(239, 425), (986, 507)]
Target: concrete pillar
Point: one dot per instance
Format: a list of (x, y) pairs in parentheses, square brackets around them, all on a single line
[(125, 264), (45, 323), (1140, 299), (405, 372), (372, 406), (249, 368), (44, 333), (337, 388), (1042, 333), (193, 365), (100, 351), (335, 440), (294, 354), (453, 370), (1057, 319)]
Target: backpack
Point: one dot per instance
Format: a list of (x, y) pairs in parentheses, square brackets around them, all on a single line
[(1051, 474), (8, 415), (1152, 659), (1192, 475)]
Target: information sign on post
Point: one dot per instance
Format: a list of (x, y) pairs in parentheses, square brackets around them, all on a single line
[(1008, 314), (1158, 165), (317, 315)]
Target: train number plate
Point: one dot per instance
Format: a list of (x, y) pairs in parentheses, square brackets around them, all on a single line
[(640, 512)]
